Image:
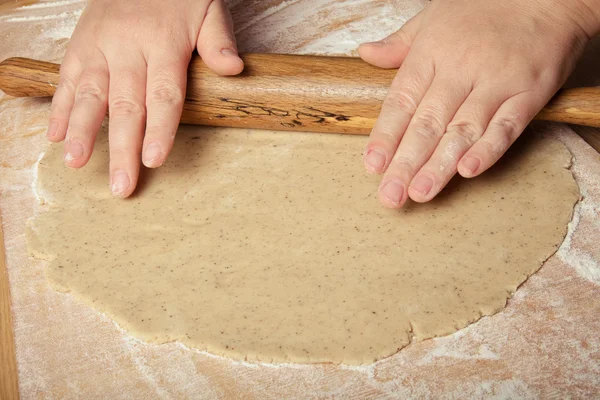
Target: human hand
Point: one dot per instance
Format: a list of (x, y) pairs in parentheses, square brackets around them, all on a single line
[(132, 58), (472, 76)]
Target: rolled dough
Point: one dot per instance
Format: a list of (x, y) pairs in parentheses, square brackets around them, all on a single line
[(272, 246)]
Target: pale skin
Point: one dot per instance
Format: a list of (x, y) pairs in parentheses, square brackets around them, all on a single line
[(471, 76), (131, 57)]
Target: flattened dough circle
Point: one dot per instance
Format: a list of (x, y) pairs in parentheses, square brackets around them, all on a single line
[(272, 246)]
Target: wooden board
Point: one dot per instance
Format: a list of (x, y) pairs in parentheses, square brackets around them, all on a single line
[(543, 345), (8, 363)]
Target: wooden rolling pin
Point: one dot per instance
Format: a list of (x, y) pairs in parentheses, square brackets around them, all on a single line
[(289, 92)]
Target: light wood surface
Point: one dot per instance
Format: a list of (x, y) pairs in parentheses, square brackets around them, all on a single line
[(543, 345), (289, 92), (9, 388)]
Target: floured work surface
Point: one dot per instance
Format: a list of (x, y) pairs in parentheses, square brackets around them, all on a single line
[(543, 344), (272, 246)]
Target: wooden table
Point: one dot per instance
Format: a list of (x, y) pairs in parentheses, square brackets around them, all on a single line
[(545, 343)]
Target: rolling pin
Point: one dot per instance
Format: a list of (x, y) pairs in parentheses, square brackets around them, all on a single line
[(289, 92)]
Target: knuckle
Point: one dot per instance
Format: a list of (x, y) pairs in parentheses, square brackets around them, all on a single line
[(507, 125), (91, 91), (499, 144), (118, 150), (403, 162), (491, 149), (401, 101), (387, 132), (59, 105), (75, 126), (223, 39), (167, 94), (68, 75), (125, 107), (403, 37), (163, 131), (66, 83), (495, 145), (467, 131), (428, 126), (122, 150)]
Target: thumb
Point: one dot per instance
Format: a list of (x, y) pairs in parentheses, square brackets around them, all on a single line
[(216, 41), (391, 51)]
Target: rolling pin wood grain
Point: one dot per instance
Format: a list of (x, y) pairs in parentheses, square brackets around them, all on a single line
[(9, 387), (289, 92)]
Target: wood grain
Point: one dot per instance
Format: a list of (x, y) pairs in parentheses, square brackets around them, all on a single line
[(290, 92), (9, 388), (579, 106), (12, 4), (22, 77), (285, 92)]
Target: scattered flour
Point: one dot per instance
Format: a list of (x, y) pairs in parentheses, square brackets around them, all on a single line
[(35, 18), (584, 263), (172, 365), (34, 182), (63, 29)]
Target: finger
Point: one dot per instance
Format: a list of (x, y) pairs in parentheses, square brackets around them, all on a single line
[(126, 124), (165, 95), (88, 112), (405, 94), (391, 51), (422, 136), (216, 41), (506, 125), (63, 99), (467, 126)]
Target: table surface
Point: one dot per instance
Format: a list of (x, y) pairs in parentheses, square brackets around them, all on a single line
[(543, 344)]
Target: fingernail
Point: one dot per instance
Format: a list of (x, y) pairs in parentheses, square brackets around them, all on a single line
[(52, 129), (422, 184), (374, 160), (152, 155), (73, 150), (120, 183), (393, 191), (230, 53), (471, 164)]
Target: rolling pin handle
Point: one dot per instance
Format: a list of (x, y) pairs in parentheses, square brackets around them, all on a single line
[(22, 77)]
